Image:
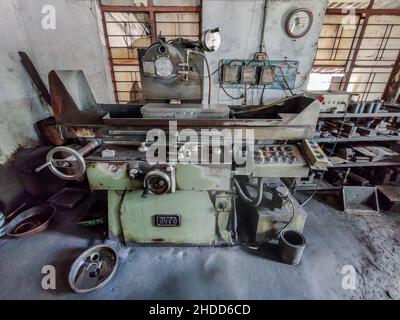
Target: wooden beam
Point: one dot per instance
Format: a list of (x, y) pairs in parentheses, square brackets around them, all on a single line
[(393, 84), (145, 9), (367, 11), (352, 65)]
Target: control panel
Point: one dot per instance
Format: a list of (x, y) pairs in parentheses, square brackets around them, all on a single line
[(315, 156), (279, 161), (331, 101)]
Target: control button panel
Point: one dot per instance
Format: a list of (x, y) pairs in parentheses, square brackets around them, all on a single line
[(315, 155), (279, 161)]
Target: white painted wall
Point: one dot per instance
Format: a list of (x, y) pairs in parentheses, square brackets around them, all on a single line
[(240, 24), (75, 44)]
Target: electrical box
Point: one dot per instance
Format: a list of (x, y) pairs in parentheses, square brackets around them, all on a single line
[(267, 75), (231, 74), (259, 73), (249, 75)]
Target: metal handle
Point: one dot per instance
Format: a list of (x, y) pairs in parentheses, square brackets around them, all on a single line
[(74, 161)]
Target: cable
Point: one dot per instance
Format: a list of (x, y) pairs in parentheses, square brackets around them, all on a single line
[(254, 202), (208, 71), (209, 78), (212, 73), (330, 154), (121, 201), (291, 218), (260, 243), (263, 25), (276, 77), (262, 95), (284, 79)]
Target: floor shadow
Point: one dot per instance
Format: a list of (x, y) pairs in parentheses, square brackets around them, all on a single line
[(269, 251)]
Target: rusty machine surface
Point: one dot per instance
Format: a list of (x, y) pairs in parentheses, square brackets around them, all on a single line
[(199, 193)]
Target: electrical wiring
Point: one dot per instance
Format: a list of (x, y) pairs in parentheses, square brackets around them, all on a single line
[(262, 96), (263, 24), (208, 72), (276, 77), (284, 79), (214, 72), (256, 244), (330, 154)]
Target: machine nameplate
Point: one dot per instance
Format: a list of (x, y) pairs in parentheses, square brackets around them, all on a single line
[(149, 68), (167, 220)]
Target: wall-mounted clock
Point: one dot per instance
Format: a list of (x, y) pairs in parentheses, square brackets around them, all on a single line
[(298, 22)]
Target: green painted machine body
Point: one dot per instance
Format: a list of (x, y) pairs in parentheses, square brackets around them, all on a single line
[(132, 218), (200, 201)]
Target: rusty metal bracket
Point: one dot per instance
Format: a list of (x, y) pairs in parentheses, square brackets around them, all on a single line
[(35, 77)]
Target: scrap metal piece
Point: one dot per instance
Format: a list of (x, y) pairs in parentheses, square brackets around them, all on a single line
[(68, 197), (30, 222), (360, 200), (93, 269), (389, 197), (2, 225), (64, 107)]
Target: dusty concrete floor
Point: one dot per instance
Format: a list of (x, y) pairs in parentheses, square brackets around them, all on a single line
[(334, 239)]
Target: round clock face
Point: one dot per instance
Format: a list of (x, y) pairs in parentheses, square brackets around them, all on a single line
[(299, 23)]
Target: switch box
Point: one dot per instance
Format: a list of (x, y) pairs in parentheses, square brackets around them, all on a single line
[(249, 75), (267, 75), (231, 74)]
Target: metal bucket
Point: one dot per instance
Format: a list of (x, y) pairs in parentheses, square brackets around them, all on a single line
[(291, 246)]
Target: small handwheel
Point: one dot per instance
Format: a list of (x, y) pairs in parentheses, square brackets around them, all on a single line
[(157, 182), (66, 163)]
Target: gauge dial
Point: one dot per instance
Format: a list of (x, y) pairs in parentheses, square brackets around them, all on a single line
[(299, 22)]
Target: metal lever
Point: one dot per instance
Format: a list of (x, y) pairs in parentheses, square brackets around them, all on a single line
[(45, 165), (73, 161)]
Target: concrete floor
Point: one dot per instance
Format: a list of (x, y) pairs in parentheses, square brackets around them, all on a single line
[(334, 239)]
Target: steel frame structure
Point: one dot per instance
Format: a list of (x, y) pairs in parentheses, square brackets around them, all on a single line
[(350, 64)]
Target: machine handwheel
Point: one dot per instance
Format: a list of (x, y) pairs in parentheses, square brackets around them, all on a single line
[(70, 165)]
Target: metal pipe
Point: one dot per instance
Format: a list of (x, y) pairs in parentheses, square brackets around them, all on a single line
[(93, 144), (291, 246)]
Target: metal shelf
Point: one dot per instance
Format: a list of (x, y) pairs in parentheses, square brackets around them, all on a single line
[(357, 139), (358, 115), (366, 164)]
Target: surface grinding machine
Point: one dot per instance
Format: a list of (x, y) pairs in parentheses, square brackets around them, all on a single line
[(200, 194)]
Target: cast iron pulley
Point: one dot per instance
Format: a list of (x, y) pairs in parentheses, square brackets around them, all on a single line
[(93, 269)]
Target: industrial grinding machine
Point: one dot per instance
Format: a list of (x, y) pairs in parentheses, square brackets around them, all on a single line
[(180, 172)]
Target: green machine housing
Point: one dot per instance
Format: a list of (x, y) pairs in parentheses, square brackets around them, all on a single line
[(183, 202)]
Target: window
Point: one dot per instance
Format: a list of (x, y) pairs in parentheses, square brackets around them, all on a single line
[(358, 52)]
